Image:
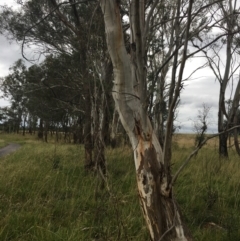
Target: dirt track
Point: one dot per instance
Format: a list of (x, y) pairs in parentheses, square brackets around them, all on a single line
[(9, 149)]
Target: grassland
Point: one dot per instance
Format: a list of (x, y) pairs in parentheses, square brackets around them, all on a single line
[(40, 200)]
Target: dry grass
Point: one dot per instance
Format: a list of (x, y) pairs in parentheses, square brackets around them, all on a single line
[(188, 141)]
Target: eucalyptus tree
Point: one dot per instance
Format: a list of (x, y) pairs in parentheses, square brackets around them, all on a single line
[(3, 118), (225, 66), (9, 119), (63, 27), (133, 21), (13, 89), (32, 95), (60, 81), (130, 92)]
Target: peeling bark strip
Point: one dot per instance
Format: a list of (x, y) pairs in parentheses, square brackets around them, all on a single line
[(159, 208)]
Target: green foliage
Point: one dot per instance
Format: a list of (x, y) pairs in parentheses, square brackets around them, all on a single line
[(55, 90), (39, 202)]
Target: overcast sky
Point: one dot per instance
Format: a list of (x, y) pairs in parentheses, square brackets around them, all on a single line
[(202, 88)]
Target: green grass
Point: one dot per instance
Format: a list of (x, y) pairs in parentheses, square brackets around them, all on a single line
[(208, 192), (5, 139), (39, 202)]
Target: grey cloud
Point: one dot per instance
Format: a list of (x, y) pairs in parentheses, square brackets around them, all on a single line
[(197, 92), (9, 53)]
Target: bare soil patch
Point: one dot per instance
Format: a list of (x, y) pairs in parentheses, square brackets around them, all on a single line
[(9, 149)]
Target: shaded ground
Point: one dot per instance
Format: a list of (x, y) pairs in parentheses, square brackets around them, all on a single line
[(9, 149)]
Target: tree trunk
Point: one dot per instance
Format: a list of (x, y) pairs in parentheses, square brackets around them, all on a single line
[(77, 130), (46, 124), (223, 151), (100, 115), (236, 134), (160, 109), (233, 116), (114, 129), (24, 125), (108, 103), (57, 134), (160, 210), (30, 126), (40, 130), (88, 163), (99, 145)]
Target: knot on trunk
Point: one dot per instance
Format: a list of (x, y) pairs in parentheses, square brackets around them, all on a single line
[(145, 183), (165, 187)]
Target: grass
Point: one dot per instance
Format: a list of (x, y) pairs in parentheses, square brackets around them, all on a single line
[(208, 192), (41, 201)]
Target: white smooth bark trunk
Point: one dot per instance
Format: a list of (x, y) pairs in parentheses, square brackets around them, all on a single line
[(160, 210)]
